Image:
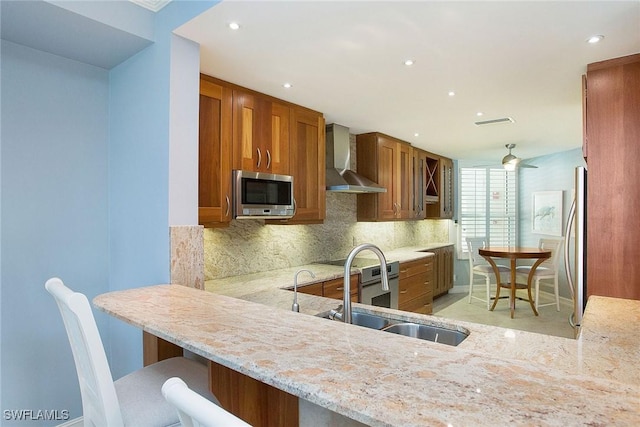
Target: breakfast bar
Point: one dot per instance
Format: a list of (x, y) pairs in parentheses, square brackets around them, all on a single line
[(383, 379)]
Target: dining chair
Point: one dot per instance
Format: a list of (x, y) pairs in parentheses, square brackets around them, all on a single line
[(479, 266), (547, 270), (133, 400), (196, 411)]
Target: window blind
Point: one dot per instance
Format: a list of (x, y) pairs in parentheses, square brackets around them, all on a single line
[(488, 206)]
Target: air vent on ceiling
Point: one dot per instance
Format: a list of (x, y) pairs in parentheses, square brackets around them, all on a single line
[(495, 121)]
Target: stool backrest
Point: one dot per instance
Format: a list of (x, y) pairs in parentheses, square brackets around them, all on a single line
[(196, 411), (99, 400)]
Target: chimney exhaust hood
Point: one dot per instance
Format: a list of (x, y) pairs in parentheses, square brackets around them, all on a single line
[(339, 178)]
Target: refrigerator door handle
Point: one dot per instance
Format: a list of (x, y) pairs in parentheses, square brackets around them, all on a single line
[(567, 243)]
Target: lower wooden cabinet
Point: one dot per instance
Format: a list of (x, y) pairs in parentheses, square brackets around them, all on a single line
[(443, 271), (332, 288), (416, 286)]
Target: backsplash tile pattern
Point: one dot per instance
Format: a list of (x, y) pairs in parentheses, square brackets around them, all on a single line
[(250, 246)]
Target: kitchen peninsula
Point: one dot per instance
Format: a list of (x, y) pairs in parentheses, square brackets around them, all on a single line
[(496, 376)]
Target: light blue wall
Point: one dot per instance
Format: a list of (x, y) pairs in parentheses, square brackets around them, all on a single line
[(84, 175), (54, 216), (555, 172), (139, 174)]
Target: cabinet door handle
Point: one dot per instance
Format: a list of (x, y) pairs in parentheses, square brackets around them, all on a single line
[(268, 159), (259, 157), (340, 288), (228, 206), (403, 271), (404, 292)]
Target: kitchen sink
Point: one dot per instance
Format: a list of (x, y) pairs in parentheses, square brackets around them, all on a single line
[(427, 332), (369, 320), (409, 329)]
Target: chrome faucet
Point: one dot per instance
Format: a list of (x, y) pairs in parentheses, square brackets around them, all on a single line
[(346, 303), (295, 306)]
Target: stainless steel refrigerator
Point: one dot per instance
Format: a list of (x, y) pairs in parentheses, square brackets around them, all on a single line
[(576, 234)]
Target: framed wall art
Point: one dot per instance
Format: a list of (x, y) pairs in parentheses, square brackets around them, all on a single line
[(547, 213)]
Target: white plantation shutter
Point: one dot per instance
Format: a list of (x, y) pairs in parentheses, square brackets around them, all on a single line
[(488, 206)]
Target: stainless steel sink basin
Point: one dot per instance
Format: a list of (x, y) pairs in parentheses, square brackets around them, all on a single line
[(366, 320), (427, 332), (415, 330), (369, 320)]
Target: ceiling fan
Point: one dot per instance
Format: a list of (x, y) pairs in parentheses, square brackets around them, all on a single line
[(511, 162)]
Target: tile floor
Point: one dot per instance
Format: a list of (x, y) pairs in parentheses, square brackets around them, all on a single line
[(550, 321)]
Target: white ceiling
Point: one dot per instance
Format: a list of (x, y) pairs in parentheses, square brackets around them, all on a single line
[(346, 59)]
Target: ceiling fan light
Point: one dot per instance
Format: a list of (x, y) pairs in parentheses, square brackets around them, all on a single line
[(509, 166), (509, 158)]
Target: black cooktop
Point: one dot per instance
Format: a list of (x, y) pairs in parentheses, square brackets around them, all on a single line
[(357, 262)]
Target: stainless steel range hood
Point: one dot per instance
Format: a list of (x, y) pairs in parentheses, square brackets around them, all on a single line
[(339, 177)]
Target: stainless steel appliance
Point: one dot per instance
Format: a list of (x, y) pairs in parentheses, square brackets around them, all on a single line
[(262, 195), (339, 177), (370, 285), (577, 228)]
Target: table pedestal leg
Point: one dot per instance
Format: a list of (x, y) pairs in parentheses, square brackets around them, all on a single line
[(529, 278), (497, 273), (512, 296)]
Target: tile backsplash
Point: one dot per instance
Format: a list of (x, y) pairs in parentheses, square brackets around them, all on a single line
[(250, 246)]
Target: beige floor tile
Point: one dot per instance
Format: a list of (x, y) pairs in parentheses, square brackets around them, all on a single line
[(550, 321)]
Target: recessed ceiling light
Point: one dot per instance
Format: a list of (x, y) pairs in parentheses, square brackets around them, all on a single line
[(416, 134), (234, 25), (452, 93), (286, 85), (479, 113), (595, 39), (409, 62)]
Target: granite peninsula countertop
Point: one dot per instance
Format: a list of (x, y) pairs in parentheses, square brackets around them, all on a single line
[(497, 376), (607, 348), (383, 379)]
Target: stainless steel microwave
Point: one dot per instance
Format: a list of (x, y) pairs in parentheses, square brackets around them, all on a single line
[(262, 195)]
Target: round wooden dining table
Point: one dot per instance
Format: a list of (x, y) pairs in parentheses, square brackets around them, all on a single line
[(514, 253)]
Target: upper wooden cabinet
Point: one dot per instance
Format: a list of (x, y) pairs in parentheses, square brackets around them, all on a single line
[(214, 165), (387, 161), (439, 189), (247, 130), (613, 188), (260, 133), (419, 170), (307, 165)]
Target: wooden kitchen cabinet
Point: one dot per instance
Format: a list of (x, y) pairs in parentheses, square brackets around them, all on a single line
[(419, 158), (313, 289), (307, 165), (443, 270), (388, 162), (247, 130), (416, 286), (335, 288), (613, 179), (261, 128), (439, 191), (332, 288), (214, 164)]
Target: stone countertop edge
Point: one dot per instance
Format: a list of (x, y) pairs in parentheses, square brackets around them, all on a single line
[(377, 378)]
